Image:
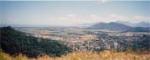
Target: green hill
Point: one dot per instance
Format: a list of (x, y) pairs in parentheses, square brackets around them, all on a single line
[(15, 42)]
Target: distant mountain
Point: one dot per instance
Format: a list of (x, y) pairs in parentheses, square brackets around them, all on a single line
[(110, 26), (139, 24), (143, 24), (139, 29)]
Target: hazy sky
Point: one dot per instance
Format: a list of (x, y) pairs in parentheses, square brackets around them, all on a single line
[(70, 13)]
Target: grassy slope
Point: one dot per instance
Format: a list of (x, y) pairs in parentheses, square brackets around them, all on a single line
[(104, 55)]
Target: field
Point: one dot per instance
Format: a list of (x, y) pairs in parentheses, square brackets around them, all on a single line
[(84, 55)]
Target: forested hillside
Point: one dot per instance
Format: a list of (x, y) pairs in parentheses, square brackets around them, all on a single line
[(16, 42)]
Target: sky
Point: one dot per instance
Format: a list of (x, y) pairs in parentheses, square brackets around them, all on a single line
[(72, 13)]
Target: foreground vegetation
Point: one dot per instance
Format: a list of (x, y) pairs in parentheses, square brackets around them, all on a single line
[(104, 55)]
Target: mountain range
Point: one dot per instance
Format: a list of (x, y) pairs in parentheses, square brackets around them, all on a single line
[(115, 26)]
